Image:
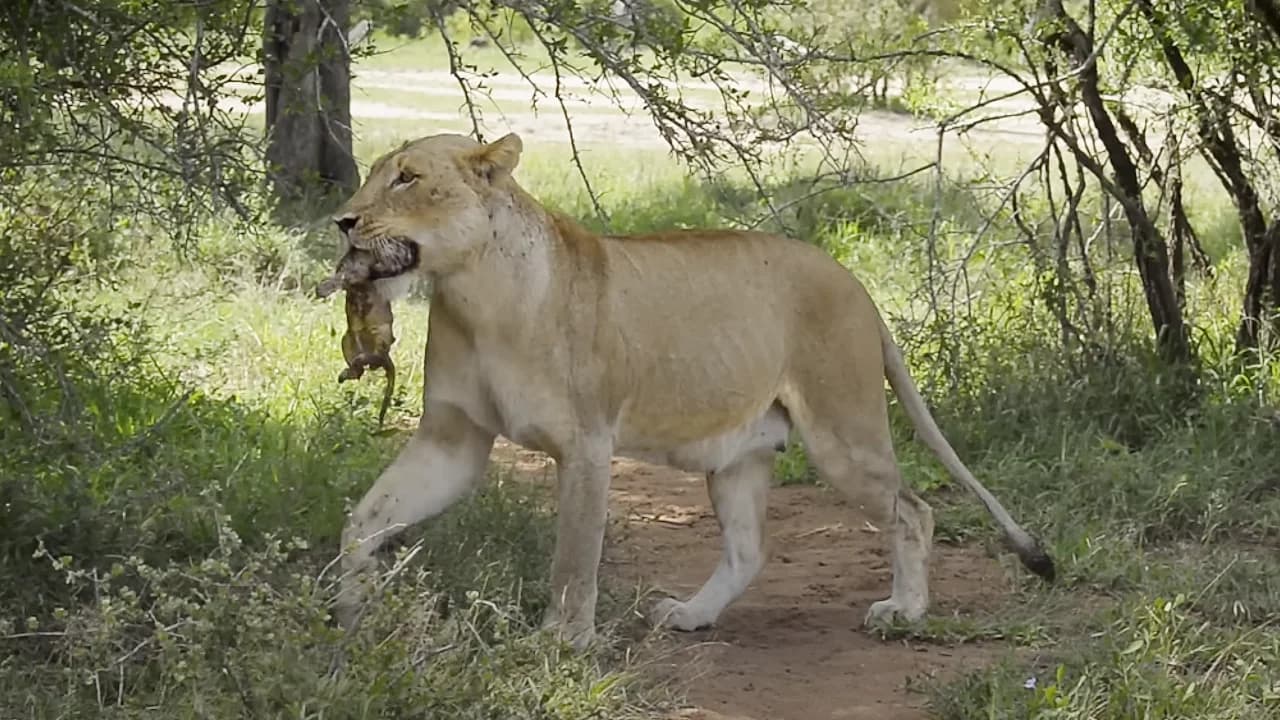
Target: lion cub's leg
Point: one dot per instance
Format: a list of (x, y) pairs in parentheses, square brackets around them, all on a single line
[(446, 457), (581, 514), (739, 494), (854, 452)]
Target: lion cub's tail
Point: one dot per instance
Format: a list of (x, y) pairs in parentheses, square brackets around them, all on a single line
[(1023, 543)]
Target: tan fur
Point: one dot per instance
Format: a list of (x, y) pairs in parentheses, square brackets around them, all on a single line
[(370, 333), (698, 349), (368, 339)]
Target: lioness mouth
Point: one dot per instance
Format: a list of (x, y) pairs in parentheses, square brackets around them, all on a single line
[(383, 259), (395, 257)]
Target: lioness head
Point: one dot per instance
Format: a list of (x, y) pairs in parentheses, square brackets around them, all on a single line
[(433, 192)]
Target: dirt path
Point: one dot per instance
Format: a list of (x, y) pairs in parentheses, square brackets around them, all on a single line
[(600, 118), (603, 118), (791, 648)]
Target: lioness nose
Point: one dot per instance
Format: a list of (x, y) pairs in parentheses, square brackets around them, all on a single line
[(346, 223)]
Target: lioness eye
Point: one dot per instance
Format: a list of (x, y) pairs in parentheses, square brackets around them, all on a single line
[(405, 177)]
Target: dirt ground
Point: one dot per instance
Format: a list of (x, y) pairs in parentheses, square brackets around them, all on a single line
[(792, 647)]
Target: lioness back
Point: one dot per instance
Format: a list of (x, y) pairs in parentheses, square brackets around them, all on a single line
[(759, 284), (715, 324)]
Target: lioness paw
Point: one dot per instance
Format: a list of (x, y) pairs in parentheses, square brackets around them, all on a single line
[(887, 611), (676, 615), (345, 613), (578, 636)]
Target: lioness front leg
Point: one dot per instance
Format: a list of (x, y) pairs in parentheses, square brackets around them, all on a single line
[(445, 458), (583, 509)]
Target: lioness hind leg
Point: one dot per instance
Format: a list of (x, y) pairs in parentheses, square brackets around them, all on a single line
[(445, 458), (912, 542), (857, 458), (739, 495)]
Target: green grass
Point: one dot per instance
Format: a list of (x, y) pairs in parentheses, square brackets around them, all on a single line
[(164, 536), (173, 542), (167, 529), (1154, 659)]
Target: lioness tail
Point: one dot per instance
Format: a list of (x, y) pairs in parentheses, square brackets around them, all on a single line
[(1026, 545)]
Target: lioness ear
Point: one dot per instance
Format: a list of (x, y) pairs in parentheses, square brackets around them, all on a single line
[(498, 157)]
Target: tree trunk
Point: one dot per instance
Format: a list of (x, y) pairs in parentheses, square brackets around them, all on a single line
[(1226, 155), (1150, 251), (308, 100), (1261, 288)]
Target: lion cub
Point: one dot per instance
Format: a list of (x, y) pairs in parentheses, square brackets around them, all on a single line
[(369, 336)]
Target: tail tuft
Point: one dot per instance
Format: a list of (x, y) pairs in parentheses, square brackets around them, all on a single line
[(1037, 560)]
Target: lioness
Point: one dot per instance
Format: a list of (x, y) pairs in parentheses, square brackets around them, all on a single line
[(696, 349)]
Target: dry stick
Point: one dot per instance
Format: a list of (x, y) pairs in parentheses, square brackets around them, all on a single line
[(947, 122), (456, 70), (667, 118), (326, 119), (829, 188), (338, 660), (568, 123), (199, 60), (819, 530), (770, 61)]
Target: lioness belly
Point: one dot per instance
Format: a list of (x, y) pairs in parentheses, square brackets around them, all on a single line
[(768, 431)]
